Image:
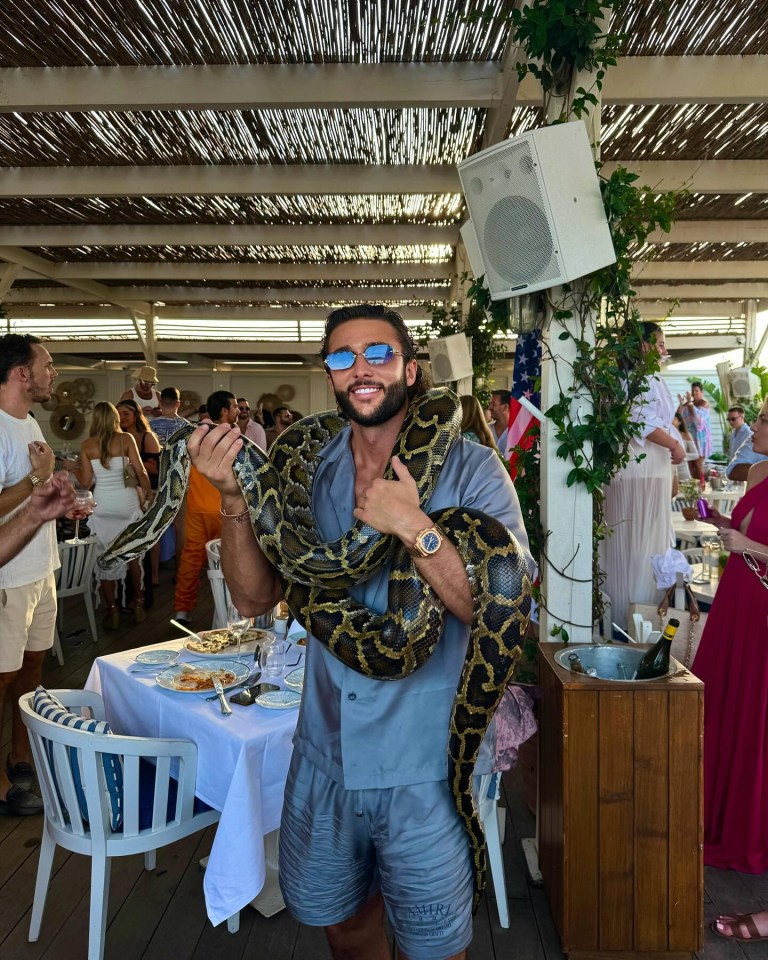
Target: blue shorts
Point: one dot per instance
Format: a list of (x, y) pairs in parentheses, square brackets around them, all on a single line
[(338, 847)]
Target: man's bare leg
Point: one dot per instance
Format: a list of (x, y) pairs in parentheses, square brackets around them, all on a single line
[(27, 678), (361, 937), (6, 682)]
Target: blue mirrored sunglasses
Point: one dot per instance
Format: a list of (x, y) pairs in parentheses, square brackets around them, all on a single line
[(376, 355)]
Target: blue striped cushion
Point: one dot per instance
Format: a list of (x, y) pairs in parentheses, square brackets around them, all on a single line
[(49, 708)]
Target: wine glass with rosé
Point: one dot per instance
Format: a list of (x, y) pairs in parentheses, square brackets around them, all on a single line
[(81, 509)]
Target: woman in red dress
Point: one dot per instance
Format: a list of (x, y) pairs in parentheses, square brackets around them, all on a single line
[(732, 660)]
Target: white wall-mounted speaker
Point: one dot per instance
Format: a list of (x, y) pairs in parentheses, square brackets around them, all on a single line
[(743, 383), (536, 208), (450, 358)]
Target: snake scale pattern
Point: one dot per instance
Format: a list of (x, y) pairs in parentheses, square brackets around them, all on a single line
[(315, 574)]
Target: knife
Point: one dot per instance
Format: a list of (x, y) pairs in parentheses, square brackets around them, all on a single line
[(225, 707), (250, 679)]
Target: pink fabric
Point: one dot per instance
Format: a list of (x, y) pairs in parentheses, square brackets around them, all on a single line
[(515, 723), (732, 660)]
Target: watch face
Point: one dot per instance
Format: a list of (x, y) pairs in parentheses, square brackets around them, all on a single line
[(430, 541)]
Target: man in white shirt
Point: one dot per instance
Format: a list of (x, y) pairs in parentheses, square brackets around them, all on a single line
[(739, 430), (27, 583), (254, 431), (499, 409)]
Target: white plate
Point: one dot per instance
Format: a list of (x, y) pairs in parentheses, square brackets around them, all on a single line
[(229, 652), (157, 658), (279, 699), (295, 679), (241, 671)]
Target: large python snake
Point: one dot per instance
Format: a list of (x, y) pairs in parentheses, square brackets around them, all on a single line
[(315, 574)]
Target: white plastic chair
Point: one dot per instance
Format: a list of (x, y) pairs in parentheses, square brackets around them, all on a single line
[(52, 744), (75, 578), (221, 598)]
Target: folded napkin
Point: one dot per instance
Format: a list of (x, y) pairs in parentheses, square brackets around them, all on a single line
[(667, 565)]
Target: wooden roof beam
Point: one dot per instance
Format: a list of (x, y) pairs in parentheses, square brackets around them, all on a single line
[(757, 290), (98, 312), (693, 270), (665, 80), (698, 176), (170, 271), (184, 295), (225, 235), (712, 231)]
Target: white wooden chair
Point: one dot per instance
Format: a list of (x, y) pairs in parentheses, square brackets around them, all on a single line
[(60, 752), (75, 578), (488, 792)]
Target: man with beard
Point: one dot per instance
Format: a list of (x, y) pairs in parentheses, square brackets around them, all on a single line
[(27, 583), (369, 821), (283, 418)]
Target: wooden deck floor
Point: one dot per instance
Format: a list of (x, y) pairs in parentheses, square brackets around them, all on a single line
[(160, 914)]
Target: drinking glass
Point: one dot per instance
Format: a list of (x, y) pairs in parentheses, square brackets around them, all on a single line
[(237, 625), (272, 659), (80, 510)]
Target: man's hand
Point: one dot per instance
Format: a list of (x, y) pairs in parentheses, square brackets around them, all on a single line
[(42, 458), (213, 451), (392, 506), (53, 500)]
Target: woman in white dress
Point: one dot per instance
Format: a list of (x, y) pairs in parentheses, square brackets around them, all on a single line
[(103, 459), (638, 501)]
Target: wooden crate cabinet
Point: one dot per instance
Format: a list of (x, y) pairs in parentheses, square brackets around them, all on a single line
[(620, 813)]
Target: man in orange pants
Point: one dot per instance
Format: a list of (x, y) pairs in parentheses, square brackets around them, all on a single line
[(203, 517)]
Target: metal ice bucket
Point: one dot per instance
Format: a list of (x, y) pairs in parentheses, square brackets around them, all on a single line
[(610, 661)]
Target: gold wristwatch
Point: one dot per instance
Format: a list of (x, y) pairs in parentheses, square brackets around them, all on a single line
[(35, 480), (427, 543)]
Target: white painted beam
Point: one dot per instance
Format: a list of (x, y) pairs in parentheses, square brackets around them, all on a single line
[(701, 270), (498, 115), (225, 235), (214, 180), (698, 176), (170, 271), (183, 295), (714, 231), (701, 291), (715, 79), (106, 313), (710, 309)]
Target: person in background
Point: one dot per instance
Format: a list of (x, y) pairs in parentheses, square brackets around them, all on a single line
[(473, 424), (203, 517), (168, 421), (27, 581), (202, 413), (144, 394), (499, 408), (732, 664), (103, 460), (133, 421), (739, 430), (282, 418), (638, 500), (248, 427), (694, 410), (743, 459)]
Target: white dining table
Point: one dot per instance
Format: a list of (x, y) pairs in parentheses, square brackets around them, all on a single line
[(242, 764), (703, 589), (691, 530)]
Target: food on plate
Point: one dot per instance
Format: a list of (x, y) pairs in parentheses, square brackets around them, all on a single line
[(202, 679), (214, 641)]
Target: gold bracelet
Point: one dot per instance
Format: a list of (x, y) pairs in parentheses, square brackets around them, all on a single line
[(237, 517)]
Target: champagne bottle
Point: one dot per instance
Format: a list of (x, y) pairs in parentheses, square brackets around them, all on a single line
[(655, 663), (575, 662)]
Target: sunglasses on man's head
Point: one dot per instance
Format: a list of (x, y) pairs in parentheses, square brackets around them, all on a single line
[(376, 355)]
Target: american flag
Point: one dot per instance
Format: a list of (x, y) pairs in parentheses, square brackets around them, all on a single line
[(525, 383)]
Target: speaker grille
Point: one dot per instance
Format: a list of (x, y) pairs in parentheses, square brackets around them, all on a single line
[(518, 241), (441, 364)]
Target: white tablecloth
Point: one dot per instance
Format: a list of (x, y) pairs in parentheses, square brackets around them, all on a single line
[(241, 769)]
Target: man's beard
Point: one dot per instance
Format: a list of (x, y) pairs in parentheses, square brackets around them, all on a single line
[(39, 394), (394, 399)]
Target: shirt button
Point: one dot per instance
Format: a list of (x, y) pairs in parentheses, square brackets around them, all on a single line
[(351, 696)]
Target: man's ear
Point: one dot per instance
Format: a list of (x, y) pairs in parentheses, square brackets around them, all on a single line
[(410, 372)]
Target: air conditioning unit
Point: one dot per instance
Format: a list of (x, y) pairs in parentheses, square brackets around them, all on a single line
[(743, 383), (450, 358), (535, 205)]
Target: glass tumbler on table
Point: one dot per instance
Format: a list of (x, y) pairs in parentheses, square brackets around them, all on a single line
[(81, 509), (273, 658)]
